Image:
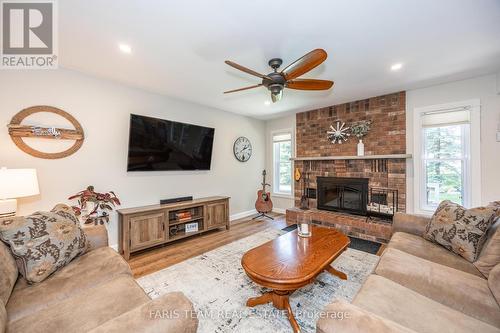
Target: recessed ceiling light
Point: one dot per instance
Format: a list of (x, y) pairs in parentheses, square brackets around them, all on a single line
[(396, 67), (125, 48), (267, 103)]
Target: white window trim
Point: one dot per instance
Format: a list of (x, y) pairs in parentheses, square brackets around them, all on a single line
[(473, 179), (292, 135)]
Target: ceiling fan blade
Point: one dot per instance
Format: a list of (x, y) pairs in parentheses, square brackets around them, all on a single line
[(276, 97), (247, 70), (235, 90), (304, 64), (309, 84)]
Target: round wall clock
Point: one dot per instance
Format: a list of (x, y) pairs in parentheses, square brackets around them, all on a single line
[(242, 149)]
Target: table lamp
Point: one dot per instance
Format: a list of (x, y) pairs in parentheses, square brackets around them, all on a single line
[(16, 183)]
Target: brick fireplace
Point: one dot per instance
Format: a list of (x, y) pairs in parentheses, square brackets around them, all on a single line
[(386, 140)]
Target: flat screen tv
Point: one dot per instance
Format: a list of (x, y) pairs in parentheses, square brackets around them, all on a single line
[(157, 145)]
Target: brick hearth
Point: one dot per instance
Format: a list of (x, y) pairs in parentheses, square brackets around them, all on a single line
[(373, 229), (387, 136)]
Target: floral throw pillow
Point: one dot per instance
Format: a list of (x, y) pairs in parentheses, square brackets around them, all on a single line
[(460, 230), (43, 242)]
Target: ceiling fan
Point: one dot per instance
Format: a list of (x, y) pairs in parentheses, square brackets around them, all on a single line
[(276, 81)]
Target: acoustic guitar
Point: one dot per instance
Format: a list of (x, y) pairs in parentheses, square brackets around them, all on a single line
[(263, 204)]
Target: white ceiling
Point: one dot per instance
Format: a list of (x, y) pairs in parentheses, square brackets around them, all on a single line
[(179, 47)]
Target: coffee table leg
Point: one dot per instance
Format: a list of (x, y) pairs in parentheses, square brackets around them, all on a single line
[(280, 301), (263, 299), (335, 272)]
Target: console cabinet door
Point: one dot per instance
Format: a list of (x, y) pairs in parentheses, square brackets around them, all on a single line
[(217, 215), (147, 230)]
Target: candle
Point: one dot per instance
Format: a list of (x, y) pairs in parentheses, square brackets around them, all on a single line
[(304, 228)]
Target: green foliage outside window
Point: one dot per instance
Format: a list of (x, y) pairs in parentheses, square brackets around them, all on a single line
[(444, 165)]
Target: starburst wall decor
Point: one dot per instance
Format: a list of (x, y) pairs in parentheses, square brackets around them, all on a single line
[(338, 134)]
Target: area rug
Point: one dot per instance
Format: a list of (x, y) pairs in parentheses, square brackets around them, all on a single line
[(218, 287)]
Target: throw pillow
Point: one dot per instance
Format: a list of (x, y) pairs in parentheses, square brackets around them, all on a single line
[(496, 207), (458, 229), (44, 241)]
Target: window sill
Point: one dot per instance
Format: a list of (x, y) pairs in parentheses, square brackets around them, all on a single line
[(282, 195)]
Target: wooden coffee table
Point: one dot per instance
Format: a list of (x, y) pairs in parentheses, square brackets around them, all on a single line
[(290, 262)]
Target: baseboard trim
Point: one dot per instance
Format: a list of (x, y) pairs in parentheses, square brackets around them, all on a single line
[(114, 247), (242, 214), (279, 210)]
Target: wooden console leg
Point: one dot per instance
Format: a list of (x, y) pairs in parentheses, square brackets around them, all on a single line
[(335, 272), (263, 299)]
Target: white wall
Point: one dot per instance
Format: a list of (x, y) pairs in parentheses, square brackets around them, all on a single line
[(483, 88), (103, 109), (280, 203)]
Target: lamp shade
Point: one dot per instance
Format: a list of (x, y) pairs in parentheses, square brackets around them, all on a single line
[(17, 183)]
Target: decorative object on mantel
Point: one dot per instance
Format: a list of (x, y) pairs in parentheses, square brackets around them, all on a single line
[(17, 132), (338, 134), (93, 206), (16, 183), (360, 129)]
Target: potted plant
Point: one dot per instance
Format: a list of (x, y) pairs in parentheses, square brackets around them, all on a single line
[(94, 207), (360, 129)]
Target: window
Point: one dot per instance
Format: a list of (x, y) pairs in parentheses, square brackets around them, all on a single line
[(282, 173), (445, 158)]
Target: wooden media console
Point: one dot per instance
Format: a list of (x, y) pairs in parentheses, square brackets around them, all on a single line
[(144, 227)]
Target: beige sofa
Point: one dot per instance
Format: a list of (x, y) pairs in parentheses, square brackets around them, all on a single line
[(419, 286), (94, 293)]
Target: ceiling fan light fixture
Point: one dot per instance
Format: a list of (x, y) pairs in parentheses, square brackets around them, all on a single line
[(276, 81), (275, 88), (276, 96)]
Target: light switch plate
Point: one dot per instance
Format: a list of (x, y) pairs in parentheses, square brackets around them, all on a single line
[(498, 136)]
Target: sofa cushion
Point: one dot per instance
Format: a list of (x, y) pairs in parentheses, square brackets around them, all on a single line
[(410, 223), (44, 241), (150, 317), (494, 282), (460, 230), (3, 318), (408, 308), (461, 291), (87, 271), (344, 317), (419, 247), (8, 275), (490, 254), (85, 310)]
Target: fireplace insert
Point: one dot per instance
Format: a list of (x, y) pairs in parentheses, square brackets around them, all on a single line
[(341, 194)]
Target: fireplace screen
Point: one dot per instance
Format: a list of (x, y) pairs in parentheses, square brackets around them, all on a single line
[(343, 194)]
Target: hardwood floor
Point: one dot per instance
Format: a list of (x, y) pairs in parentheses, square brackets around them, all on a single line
[(152, 260)]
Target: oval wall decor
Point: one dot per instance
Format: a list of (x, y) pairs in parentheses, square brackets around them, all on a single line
[(17, 132)]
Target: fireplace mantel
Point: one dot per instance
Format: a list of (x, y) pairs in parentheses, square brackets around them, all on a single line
[(366, 157)]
